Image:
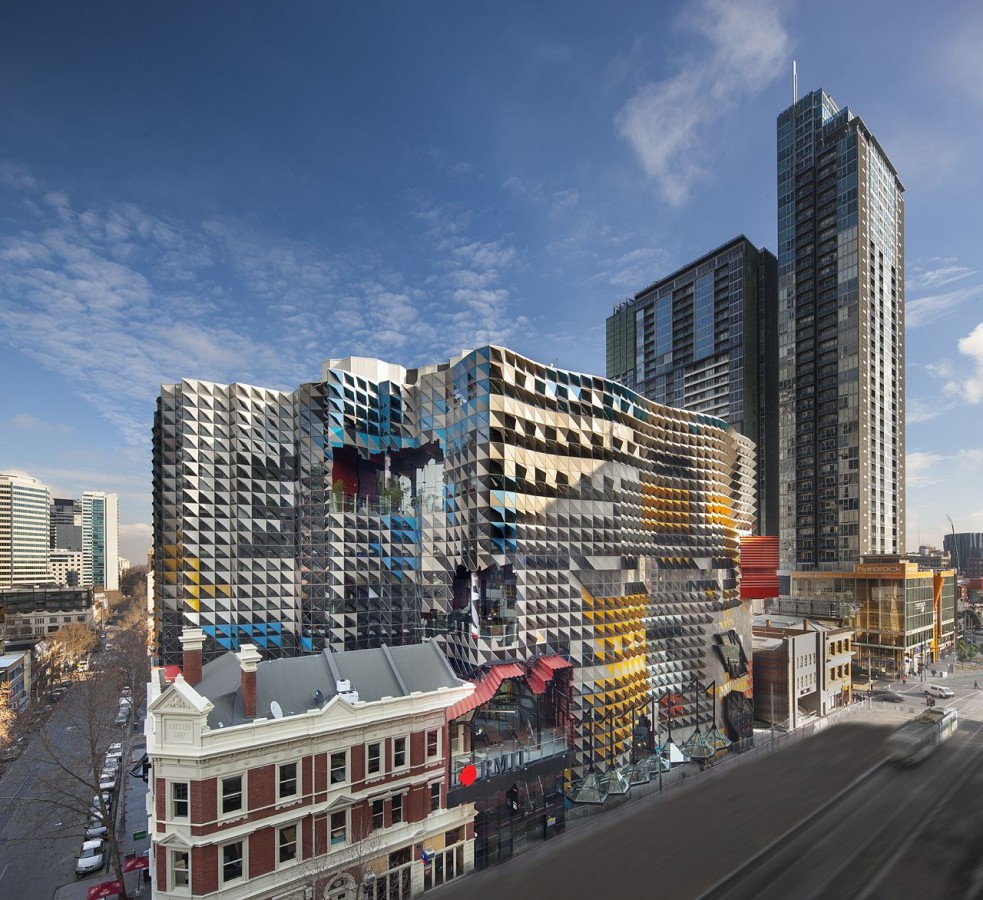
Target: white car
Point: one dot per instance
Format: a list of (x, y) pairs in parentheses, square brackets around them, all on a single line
[(936, 690), (90, 858), (96, 831), (115, 751), (107, 781)]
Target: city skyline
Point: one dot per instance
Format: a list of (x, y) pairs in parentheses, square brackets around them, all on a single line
[(178, 206)]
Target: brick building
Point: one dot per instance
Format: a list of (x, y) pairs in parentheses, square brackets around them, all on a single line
[(319, 776)]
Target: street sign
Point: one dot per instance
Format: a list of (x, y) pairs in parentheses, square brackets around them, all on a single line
[(139, 835)]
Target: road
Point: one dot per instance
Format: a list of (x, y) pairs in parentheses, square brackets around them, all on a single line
[(41, 831), (826, 817)]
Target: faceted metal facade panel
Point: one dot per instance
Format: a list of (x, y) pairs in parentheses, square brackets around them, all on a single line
[(503, 507)]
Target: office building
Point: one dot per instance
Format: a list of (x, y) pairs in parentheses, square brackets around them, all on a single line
[(904, 617), (66, 524), (841, 340), (24, 531), (963, 546), (66, 567), (100, 540), (505, 508), (704, 338)]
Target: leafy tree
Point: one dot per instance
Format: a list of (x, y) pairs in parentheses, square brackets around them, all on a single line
[(73, 641)]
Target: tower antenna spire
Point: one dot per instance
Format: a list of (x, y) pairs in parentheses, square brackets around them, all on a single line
[(795, 84)]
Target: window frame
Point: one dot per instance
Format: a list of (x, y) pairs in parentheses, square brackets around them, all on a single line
[(436, 791), (172, 869), (379, 762), (296, 858), (396, 803), (331, 769), (378, 808), (173, 801), (242, 862), (405, 752), (436, 753), (279, 781), (331, 828), (226, 813)]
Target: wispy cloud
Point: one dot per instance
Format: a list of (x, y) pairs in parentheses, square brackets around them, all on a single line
[(28, 422), (919, 466), (936, 272), (665, 122), (970, 387), (926, 310), (118, 300)]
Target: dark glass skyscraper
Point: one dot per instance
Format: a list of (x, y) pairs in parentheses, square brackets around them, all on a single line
[(841, 339), (703, 339)]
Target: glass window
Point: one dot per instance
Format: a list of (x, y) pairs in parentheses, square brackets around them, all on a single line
[(378, 814), (703, 323), (288, 844), (339, 828), (435, 797), (375, 756), (180, 869), (231, 794), (179, 800), (399, 752), (433, 743), (397, 809), (339, 768), (231, 862), (288, 780)]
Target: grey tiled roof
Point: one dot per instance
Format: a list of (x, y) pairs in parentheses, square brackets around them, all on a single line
[(302, 683)]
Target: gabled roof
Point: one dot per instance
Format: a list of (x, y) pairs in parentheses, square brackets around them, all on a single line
[(301, 683)]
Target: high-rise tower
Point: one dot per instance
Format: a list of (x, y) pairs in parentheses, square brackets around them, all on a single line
[(100, 540), (841, 339), (24, 527)]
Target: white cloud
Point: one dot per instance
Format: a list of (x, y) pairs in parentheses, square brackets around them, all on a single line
[(941, 272), (970, 388), (665, 122), (926, 310), (919, 466), (135, 539), (28, 422)]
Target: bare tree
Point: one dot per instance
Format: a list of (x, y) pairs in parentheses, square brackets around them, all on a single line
[(355, 866), (69, 774)]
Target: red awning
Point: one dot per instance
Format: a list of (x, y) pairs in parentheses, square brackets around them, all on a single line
[(170, 672), (138, 862), (485, 689), (106, 889), (542, 671)]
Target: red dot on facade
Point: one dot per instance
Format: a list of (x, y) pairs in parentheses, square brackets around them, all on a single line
[(468, 775)]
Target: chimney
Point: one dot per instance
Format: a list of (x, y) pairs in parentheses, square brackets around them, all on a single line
[(249, 658), (192, 640)]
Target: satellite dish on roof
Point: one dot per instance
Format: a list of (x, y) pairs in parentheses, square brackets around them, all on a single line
[(275, 710)]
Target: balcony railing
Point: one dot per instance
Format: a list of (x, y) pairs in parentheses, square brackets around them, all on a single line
[(510, 755)]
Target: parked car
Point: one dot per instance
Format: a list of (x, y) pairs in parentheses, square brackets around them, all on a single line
[(90, 857), (95, 808), (122, 717), (107, 781), (97, 831), (111, 764), (115, 751)]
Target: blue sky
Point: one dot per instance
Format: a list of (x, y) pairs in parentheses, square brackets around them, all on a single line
[(237, 191)]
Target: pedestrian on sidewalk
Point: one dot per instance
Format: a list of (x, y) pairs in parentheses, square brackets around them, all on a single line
[(976, 687)]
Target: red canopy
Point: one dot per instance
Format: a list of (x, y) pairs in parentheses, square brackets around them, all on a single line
[(138, 862), (485, 689), (106, 889)]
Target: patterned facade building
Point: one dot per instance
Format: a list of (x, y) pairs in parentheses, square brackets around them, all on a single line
[(503, 507)]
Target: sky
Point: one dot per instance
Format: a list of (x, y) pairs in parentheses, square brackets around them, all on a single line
[(236, 192)]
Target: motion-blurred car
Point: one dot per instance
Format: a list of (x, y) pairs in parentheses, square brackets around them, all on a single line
[(889, 697)]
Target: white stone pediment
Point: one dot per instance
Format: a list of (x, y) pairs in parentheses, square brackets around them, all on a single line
[(179, 697)]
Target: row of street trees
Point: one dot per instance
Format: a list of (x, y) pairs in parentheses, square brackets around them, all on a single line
[(71, 756)]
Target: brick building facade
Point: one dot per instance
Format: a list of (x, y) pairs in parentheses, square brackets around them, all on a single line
[(337, 791)]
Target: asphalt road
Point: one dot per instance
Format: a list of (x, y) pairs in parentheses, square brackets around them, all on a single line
[(40, 831)]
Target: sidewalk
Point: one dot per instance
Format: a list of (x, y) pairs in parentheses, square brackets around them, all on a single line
[(131, 820)]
